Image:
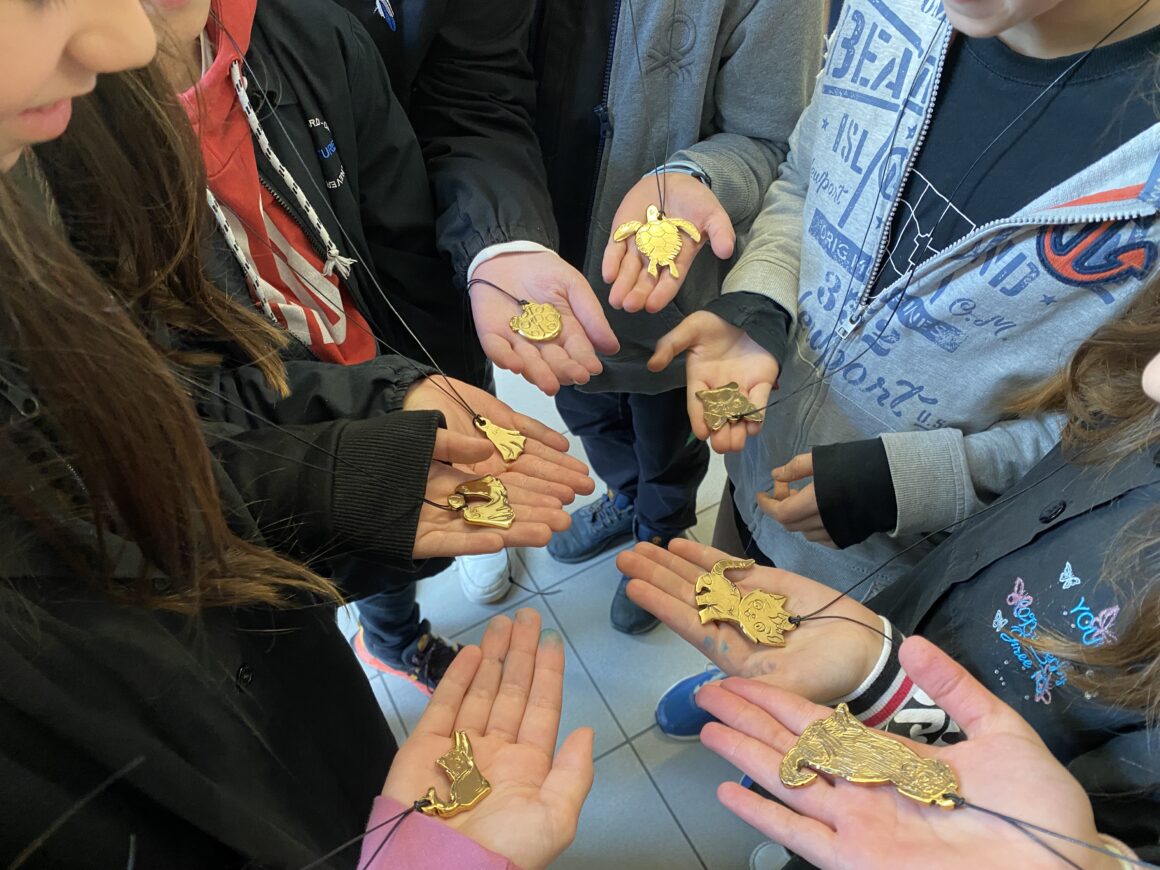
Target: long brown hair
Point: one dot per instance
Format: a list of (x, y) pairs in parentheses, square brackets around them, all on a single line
[(1110, 418), (93, 317)]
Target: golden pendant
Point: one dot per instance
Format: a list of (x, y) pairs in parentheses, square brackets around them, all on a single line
[(659, 239), (468, 785), (842, 746), (761, 615), (496, 512), (727, 405), (540, 321), (508, 442)]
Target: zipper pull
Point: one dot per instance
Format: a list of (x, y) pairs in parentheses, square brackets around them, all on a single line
[(386, 11), (605, 121), (847, 326), (26, 404)]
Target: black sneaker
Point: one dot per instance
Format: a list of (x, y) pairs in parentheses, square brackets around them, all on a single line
[(595, 528), (424, 662)]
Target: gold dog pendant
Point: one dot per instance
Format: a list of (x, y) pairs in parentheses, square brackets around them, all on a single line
[(840, 745), (541, 321), (468, 785), (496, 512), (508, 442), (760, 615), (727, 405)]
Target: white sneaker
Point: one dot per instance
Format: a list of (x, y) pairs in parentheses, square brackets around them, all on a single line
[(768, 856), (485, 579)]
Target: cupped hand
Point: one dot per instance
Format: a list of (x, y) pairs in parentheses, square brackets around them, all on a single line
[(626, 269), (544, 467), (718, 354), (444, 533), (822, 659), (541, 277), (507, 695), (796, 509), (1003, 766)]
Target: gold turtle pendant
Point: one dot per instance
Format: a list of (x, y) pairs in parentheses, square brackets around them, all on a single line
[(468, 785), (841, 745), (659, 239), (728, 405), (540, 321), (496, 512), (508, 442), (760, 615)]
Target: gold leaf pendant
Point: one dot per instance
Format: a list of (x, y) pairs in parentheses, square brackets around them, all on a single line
[(659, 239), (540, 321), (468, 785), (840, 745), (496, 512), (508, 442), (760, 615)]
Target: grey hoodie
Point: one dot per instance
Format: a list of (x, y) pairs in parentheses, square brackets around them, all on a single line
[(739, 74)]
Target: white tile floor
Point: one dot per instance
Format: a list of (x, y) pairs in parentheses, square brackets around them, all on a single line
[(652, 804)]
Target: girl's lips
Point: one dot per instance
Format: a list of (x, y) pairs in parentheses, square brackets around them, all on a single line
[(45, 122)]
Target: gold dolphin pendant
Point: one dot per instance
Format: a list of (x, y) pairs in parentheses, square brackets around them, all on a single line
[(468, 785), (841, 745), (496, 512), (541, 321)]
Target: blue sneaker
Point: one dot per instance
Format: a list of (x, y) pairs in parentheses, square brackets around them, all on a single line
[(677, 712), (595, 528)]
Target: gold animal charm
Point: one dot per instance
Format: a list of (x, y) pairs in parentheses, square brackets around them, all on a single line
[(842, 746), (761, 615), (468, 785), (508, 442), (539, 322), (727, 405), (659, 239), (496, 512)]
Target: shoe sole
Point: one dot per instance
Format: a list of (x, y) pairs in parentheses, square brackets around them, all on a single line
[(370, 659), (576, 560)]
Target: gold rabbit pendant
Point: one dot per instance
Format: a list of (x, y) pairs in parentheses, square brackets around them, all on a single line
[(508, 442), (841, 745), (496, 512), (468, 785), (761, 615), (727, 405), (540, 321)]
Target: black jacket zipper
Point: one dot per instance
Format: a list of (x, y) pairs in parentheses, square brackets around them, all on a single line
[(605, 121)]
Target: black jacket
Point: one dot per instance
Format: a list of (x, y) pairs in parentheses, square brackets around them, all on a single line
[(260, 742), (1034, 563), (461, 70)]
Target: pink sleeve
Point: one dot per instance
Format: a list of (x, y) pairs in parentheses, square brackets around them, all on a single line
[(421, 841)]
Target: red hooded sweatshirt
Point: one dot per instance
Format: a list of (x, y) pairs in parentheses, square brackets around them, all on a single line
[(296, 286)]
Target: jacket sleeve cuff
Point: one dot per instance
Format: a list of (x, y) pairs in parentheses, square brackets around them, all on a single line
[(930, 472), (420, 841), (762, 319), (380, 478), (733, 182), (493, 251), (854, 489), (770, 278)]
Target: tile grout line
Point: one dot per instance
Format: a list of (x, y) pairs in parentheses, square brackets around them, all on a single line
[(625, 743), (628, 740)]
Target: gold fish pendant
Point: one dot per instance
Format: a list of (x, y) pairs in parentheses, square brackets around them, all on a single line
[(468, 785), (495, 512), (841, 745), (508, 442), (540, 321), (727, 405), (760, 615), (659, 239)]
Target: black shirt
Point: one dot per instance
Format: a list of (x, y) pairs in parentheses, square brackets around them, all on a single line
[(1106, 100)]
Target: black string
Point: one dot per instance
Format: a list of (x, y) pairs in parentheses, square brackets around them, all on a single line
[(1029, 827), (798, 620), (662, 183), (397, 819), (495, 286)]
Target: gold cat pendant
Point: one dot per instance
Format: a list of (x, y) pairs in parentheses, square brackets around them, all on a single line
[(468, 785), (727, 405), (496, 512), (760, 615), (508, 442), (841, 745), (541, 321)]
